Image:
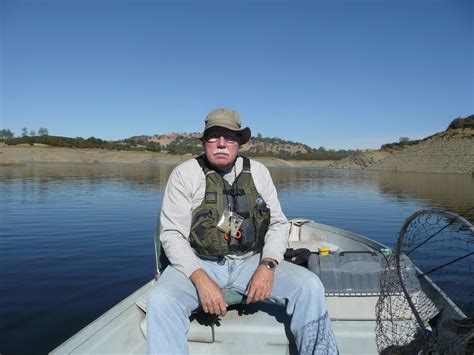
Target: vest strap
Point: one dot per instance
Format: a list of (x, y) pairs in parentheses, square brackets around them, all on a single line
[(246, 164), (203, 163)]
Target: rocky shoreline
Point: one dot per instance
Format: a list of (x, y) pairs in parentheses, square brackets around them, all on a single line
[(450, 152), (446, 152)]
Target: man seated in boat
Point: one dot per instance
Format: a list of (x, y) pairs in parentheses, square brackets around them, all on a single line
[(221, 226)]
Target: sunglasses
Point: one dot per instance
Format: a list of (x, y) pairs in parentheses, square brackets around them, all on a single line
[(228, 137)]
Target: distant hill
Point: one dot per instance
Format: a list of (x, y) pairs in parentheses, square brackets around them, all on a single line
[(182, 143), (459, 130), (186, 143), (451, 151), (81, 143)]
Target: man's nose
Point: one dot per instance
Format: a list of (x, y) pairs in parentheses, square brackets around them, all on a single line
[(221, 142)]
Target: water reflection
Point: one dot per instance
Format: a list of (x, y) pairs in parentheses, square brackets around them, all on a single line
[(452, 192), (77, 230), (446, 191), (37, 181), (43, 173)]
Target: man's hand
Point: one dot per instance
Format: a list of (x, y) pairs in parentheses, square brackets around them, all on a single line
[(210, 294), (260, 285)]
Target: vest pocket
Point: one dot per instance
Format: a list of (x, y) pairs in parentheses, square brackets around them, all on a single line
[(204, 233), (247, 240), (261, 217)]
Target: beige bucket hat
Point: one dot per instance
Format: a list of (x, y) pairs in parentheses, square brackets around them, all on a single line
[(229, 119)]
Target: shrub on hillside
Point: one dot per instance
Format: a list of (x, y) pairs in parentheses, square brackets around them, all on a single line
[(182, 145), (58, 141), (400, 144), (466, 122)]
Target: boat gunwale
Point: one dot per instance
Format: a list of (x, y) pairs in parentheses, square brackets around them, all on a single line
[(91, 329)]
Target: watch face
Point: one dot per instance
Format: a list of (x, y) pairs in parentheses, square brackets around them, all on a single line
[(268, 264)]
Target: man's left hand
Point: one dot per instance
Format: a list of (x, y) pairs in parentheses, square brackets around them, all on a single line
[(260, 285)]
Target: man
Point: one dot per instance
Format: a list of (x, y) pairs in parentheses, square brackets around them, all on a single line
[(221, 226)]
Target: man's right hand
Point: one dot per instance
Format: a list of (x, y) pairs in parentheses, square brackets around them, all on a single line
[(210, 294)]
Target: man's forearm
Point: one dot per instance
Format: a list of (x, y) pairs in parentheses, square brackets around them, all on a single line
[(198, 276)]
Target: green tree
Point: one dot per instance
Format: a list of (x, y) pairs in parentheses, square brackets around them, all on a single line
[(32, 133), (6, 134), (24, 132), (43, 131), (466, 122), (153, 146)]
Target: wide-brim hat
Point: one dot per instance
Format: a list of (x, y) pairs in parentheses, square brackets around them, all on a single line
[(229, 119)]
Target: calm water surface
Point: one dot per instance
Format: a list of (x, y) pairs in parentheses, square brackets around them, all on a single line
[(75, 240)]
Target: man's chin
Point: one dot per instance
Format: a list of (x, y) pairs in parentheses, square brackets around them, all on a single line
[(221, 159), (222, 164)]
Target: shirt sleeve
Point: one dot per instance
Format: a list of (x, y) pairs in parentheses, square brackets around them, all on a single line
[(175, 223), (276, 239)]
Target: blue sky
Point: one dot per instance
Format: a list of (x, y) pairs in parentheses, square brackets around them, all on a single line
[(338, 74)]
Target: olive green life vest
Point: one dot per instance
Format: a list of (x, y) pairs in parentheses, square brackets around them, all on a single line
[(242, 198)]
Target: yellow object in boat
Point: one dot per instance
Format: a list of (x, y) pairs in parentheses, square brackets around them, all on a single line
[(323, 251)]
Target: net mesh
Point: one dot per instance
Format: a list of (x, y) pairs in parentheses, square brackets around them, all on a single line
[(426, 301)]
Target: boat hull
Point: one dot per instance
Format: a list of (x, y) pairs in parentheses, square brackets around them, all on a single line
[(260, 328)]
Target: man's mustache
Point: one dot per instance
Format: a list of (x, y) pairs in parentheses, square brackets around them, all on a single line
[(221, 151)]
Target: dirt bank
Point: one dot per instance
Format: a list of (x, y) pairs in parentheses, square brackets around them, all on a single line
[(446, 152), (450, 152), (27, 154), (360, 160)]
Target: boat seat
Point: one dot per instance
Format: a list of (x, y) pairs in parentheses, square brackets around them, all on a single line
[(231, 297)]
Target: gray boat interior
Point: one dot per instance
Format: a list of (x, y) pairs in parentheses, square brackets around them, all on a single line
[(350, 274)]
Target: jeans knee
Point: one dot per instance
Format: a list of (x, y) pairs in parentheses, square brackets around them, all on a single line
[(312, 285), (159, 300)]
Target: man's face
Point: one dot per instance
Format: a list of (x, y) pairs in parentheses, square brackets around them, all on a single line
[(221, 147)]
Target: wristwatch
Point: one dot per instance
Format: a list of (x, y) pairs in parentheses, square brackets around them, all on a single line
[(270, 265)]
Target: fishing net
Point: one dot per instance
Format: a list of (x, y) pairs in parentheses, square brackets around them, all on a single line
[(426, 302)]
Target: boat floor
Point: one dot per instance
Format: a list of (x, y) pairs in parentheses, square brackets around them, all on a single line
[(262, 335), (244, 330)]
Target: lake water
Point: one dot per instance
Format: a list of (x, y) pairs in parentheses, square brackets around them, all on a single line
[(75, 240)]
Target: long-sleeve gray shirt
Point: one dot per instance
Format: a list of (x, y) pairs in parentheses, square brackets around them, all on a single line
[(185, 191)]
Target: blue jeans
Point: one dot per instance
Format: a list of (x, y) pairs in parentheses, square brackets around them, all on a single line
[(174, 297)]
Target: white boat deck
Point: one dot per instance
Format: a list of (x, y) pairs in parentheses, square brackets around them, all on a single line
[(121, 330)]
